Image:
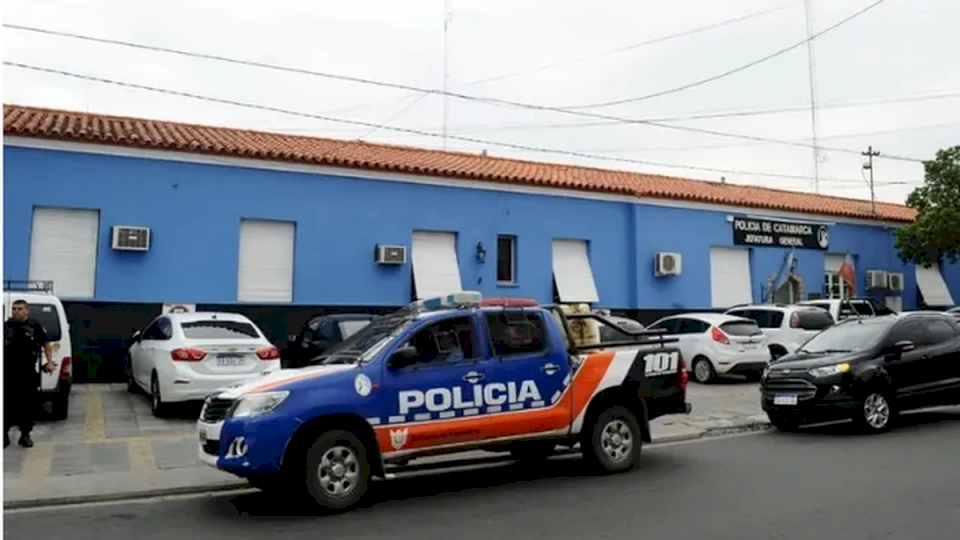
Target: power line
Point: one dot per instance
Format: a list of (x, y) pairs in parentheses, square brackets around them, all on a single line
[(466, 97), (301, 114), (729, 72), (632, 46)]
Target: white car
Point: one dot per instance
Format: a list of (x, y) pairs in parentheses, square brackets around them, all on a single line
[(787, 327), (842, 309), (714, 344), (186, 356), (46, 309)]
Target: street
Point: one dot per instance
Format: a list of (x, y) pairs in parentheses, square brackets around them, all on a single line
[(821, 483)]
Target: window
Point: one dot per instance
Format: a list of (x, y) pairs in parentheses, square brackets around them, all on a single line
[(765, 318), (266, 261), (852, 336), (691, 326), (835, 287), (741, 328), (507, 259), (349, 328), (940, 331), (448, 341), (669, 326), (49, 319), (880, 309), (160, 330), (911, 331), (863, 308), (516, 332), (813, 319), (212, 329)]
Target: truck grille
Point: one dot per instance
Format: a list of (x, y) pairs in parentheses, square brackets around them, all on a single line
[(801, 388), (215, 409)]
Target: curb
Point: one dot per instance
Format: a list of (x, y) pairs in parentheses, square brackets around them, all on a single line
[(243, 485)]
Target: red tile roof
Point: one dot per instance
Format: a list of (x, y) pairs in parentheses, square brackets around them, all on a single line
[(74, 126)]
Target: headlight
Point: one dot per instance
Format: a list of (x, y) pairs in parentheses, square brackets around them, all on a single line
[(827, 371), (257, 404)]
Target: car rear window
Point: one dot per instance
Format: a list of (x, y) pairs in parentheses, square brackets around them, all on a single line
[(47, 316), (213, 329), (814, 319), (741, 328)]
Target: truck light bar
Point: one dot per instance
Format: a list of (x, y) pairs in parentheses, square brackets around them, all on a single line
[(509, 302), (459, 299)]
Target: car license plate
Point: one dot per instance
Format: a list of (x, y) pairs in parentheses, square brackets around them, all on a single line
[(203, 436), (785, 400), (229, 359)]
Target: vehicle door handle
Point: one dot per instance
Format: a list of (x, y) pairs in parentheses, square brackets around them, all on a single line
[(473, 377), (550, 368)]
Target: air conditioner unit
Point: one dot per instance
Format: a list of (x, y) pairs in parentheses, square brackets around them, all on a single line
[(391, 254), (128, 238), (895, 281), (668, 264), (876, 279)]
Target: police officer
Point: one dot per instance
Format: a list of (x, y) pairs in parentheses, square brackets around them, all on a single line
[(22, 340)]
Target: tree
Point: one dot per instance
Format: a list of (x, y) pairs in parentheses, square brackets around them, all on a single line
[(935, 235)]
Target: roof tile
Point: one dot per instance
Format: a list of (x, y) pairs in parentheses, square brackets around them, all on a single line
[(53, 124)]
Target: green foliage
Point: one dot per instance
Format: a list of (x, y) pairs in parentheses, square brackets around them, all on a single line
[(935, 235)]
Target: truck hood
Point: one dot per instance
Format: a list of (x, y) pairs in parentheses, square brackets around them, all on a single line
[(279, 380), (805, 361)]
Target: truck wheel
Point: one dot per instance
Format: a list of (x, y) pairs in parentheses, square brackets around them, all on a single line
[(614, 441), (338, 472)]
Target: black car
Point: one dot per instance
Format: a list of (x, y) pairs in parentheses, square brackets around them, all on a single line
[(319, 334), (867, 369)]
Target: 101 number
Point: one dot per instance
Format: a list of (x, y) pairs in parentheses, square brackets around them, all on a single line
[(661, 362)]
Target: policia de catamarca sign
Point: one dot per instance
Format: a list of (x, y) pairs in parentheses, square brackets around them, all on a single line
[(770, 233)]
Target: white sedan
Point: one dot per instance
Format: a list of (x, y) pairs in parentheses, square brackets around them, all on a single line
[(185, 356), (714, 344)]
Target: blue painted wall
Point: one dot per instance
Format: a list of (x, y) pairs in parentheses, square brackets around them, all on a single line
[(195, 212)]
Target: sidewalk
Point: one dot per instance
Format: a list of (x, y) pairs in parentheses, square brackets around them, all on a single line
[(111, 446)]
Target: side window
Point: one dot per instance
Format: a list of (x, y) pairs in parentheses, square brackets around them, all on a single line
[(668, 326), (773, 319), (909, 331), (745, 313), (516, 332), (691, 326), (310, 332), (862, 308), (449, 341), (160, 330), (940, 331), (880, 309)]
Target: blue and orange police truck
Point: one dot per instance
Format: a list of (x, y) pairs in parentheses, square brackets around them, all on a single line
[(447, 375)]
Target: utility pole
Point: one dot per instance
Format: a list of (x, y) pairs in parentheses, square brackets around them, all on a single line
[(870, 154), (447, 15), (812, 80)]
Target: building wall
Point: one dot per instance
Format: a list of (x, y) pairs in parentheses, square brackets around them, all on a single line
[(194, 211)]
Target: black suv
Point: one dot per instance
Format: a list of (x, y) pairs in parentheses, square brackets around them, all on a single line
[(866, 369)]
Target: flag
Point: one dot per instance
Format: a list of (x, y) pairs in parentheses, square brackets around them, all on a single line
[(782, 274), (848, 273)]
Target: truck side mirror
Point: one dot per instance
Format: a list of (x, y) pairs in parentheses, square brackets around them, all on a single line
[(903, 346), (403, 357)]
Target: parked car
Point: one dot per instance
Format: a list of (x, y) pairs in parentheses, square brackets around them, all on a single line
[(609, 334), (787, 327), (844, 308), (444, 376), (866, 369), (186, 356), (319, 334), (46, 309), (716, 344)]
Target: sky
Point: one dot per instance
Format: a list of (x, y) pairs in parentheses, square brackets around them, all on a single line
[(887, 78)]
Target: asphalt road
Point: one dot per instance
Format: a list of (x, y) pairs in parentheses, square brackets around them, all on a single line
[(820, 484)]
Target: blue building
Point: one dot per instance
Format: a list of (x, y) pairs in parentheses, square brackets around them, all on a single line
[(127, 215)]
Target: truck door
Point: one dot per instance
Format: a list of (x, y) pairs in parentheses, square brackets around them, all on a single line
[(526, 379), (429, 388)]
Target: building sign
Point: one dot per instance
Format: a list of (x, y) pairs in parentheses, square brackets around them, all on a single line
[(764, 232)]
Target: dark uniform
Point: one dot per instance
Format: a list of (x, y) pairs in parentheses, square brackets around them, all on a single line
[(22, 346)]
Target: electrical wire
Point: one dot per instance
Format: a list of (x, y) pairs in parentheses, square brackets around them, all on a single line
[(729, 72), (458, 95), (290, 112)]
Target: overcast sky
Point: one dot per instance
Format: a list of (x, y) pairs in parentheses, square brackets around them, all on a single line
[(556, 53)]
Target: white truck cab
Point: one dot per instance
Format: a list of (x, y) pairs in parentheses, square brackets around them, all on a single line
[(46, 309)]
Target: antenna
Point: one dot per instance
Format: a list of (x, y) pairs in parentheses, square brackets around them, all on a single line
[(811, 71)]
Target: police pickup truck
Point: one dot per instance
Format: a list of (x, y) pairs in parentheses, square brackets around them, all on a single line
[(444, 376)]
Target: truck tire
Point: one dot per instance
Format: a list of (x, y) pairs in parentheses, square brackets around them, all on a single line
[(614, 440), (337, 471)]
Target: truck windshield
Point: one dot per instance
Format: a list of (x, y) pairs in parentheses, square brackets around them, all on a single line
[(351, 349)]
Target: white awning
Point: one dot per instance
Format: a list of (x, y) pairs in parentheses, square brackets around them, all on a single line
[(572, 272), (63, 249), (436, 270), (266, 261), (730, 279), (933, 287)]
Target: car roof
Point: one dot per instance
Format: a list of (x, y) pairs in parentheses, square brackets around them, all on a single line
[(206, 316), (774, 307), (707, 316)]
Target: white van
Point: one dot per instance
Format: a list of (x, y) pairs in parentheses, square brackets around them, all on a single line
[(46, 309)]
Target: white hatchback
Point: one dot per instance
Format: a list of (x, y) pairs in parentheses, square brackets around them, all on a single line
[(186, 356), (715, 344)]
